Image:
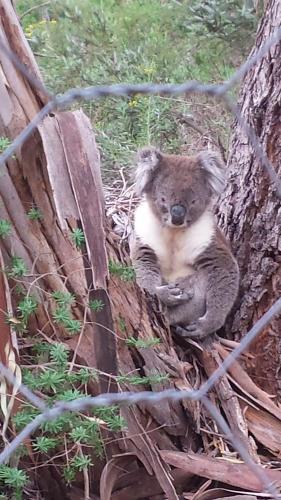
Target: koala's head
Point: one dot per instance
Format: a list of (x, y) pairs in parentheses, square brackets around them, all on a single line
[(179, 188)]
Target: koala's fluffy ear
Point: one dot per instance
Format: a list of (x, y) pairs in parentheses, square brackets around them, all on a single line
[(148, 160), (215, 170)]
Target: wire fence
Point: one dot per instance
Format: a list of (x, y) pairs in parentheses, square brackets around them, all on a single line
[(220, 91)]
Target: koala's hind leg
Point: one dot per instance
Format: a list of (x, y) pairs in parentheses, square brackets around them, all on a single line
[(193, 309)]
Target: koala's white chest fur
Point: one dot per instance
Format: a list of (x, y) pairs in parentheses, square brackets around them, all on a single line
[(176, 249)]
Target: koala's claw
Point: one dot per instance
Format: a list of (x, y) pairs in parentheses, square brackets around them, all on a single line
[(173, 290), (172, 295), (195, 330)]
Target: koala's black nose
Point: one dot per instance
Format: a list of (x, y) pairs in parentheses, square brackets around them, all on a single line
[(178, 213)]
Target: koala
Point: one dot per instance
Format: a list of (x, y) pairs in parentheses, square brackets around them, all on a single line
[(177, 250)]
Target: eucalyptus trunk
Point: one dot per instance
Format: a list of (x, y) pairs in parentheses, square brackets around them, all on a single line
[(250, 208)]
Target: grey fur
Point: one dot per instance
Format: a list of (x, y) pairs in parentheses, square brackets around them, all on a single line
[(215, 170), (147, 162), (197, 304)]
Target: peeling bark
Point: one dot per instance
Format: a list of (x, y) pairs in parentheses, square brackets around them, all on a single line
[(250, 209)]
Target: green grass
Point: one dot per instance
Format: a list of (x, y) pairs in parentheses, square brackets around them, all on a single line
[(107, 41)]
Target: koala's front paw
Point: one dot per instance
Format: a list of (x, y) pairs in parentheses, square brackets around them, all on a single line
[(171, 295), (197, 330)]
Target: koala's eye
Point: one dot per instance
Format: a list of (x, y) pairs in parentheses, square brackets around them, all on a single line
[(193, 202)]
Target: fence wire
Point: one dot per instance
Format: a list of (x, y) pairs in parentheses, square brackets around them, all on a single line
[(220, 91)]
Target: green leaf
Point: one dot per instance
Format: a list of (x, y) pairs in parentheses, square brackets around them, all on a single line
[(12, 477), (80, 434), (78, 237), (24, 416), (17, 267), (60, 424), (135, 380), (73, 326), (63, 298), (4, 143), (70, 395), (44, 444), (80, 463), (96, 305), (34, 214), (69, 473), (111, 416), (5, 228), (30, 380), (142, 343), (84, 375), (126, 273), (51, 380), (62, 316), (26, 307), (59, 354), (116, 423)]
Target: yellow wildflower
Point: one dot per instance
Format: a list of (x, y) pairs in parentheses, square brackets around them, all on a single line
[(148, 71), (133, 103), (29, 30)]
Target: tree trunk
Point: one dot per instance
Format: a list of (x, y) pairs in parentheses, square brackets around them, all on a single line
[(250, 208)]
